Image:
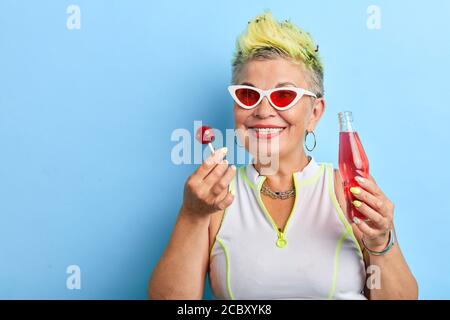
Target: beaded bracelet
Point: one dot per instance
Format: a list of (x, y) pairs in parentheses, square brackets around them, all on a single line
[(385, 250)]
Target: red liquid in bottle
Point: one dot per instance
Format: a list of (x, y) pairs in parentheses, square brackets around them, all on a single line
[(352, 161)]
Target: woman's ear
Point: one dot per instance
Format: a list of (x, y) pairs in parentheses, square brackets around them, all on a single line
[(317, 111)]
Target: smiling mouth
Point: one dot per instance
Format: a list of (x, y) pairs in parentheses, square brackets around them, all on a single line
[(266, 133)]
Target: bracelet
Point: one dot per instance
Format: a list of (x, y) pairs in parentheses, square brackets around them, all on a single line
[(385, 250)]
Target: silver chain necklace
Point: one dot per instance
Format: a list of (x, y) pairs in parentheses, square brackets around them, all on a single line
[(277, 195)]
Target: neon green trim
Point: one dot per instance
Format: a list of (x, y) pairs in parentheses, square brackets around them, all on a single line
[(212, 248), (298, 185), (215, 238), (266, 213), (336, 264), (338, 208), (302, 183), (231, 187), (244, 176), (314, 178), (297, 192), (230, 293), (280, 234)]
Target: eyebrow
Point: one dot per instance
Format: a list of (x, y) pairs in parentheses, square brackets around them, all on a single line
[(280, 84)]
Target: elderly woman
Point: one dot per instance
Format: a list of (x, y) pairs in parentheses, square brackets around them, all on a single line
[(287, 234)]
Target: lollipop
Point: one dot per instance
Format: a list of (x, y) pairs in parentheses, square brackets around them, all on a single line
[(205, 135)]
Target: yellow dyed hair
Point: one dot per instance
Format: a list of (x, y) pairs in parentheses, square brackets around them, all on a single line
[(266, 38)]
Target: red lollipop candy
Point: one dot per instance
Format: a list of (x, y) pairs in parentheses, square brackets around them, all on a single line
[(205, 135)]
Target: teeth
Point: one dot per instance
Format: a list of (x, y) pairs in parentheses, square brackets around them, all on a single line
[(268, 130)]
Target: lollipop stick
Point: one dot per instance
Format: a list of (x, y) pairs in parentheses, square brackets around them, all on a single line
[(211, 147)]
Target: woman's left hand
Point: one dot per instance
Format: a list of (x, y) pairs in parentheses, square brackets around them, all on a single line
[(372, 203)]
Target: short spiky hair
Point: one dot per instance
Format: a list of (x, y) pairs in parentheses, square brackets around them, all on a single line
[(266, 38)]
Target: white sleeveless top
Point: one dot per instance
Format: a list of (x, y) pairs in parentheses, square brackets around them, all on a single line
[(316, 256)]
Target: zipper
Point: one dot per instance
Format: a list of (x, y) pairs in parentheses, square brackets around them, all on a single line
[(281, 241)]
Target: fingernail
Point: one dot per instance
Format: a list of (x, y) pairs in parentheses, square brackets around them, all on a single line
[(357, 203), (233, 192), (233, 167), (359, 179), (225, 161), (224, 150), (355, 190), (356, 220)]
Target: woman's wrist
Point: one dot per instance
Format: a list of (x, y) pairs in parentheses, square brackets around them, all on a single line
[(193, 216), (380, 249), (377, 244)]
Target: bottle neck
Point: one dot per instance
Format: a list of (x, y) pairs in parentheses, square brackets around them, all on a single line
[(346, 122)]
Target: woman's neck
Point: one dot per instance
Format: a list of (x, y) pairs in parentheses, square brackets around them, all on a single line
[(281, 178)]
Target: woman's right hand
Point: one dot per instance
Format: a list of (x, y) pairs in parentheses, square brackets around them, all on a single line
[(206, 190)]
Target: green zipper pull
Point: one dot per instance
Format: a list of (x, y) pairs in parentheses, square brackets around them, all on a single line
[(281, 242)]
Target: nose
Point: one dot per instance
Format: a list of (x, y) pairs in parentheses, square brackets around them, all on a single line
[(264, 109)]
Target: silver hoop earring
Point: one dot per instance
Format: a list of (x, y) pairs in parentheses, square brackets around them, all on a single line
[(315, 141)]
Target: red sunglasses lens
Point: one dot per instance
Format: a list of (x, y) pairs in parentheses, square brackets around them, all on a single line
[(247, 96), (283, 98)]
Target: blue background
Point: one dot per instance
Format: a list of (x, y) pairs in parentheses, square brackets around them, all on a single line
[(86, 116)]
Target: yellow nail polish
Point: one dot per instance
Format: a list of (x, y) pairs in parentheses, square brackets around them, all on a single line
[(357, 203), (355, 190), (224, 150)]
